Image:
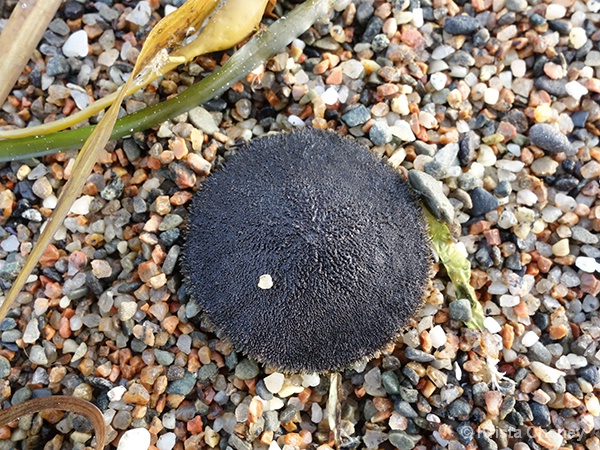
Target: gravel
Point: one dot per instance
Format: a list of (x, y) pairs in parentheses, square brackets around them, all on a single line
[(489, 110)]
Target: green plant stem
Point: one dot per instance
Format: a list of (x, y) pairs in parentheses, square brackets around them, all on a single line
[(260, 48)]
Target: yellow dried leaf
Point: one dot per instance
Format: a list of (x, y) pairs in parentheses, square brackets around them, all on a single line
[(172, 30), (228, 26)]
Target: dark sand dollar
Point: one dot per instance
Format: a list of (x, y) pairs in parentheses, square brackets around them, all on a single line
[(339, 234)]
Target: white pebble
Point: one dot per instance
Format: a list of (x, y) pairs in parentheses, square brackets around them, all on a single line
[(140, 14), (438, 80), (526, 197), (166, 441), (135, 439), (577, 37), (330, 96), (316, 413), (265, 281), (418, 17), (438, 336), (529, 339), (491, 96), (587, 264), (274, 382), (555, 11), (311, 379), (576, 90), (546, 373), (402, 131), (518, 68), (296, 121), (492, 325), (116, 393), (81, 205), (509, 301), (10, 244), (76, 45)]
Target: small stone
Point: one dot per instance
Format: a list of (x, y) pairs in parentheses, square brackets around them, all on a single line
[(550, 139), (101, 268), (380, 133), (356, 116), (438, 336), (590, 170), (555, 11), (431, 191), (42, 188), (544, 167), (76, 45), (246, 369), (127, 310), (483, 202), (400, 439), (546, 373), (577, 37), (203, 120), (561, 248), (461, 310), (461, 24), (274, 382), (135, 439)]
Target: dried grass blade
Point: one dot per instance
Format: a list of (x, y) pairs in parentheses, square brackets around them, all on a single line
[(62, 403), (84, 163), (17, 46)]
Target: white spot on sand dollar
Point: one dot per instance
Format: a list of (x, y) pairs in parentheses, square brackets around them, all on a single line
[(265, 281)]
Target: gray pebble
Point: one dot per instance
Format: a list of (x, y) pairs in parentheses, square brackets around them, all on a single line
[(418, 355), (246, 369), (550, 139), (539, 352), (380, 133), (483, 202), (4, 367), (584, 236), (459, 409), (163, 357), (400, 439), (21, 396), (461, 310), (430, 190), (207, 371), (461, 24), (390, 382), (239, 444), (182, 386), (516, 5), (203, 120), (58, 65), (356, 116)]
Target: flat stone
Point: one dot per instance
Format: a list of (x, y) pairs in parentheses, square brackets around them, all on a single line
[(431, 191)]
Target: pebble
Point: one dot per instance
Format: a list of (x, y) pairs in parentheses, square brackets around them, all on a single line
[(461, 24), (274, 382), (380, 133), (246, 369), (549, 138), (135, 439), (460, 310), (431, 191), (203, 120), (546, 373), (356, 116), (76, 45), (483, 202)]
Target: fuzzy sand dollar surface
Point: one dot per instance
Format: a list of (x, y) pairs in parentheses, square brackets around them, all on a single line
[(306, 251)]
